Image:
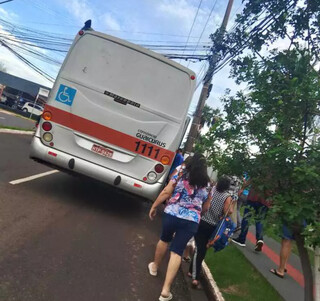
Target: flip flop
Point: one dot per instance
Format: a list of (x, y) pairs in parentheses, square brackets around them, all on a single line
[(275, 272), (162, 298)]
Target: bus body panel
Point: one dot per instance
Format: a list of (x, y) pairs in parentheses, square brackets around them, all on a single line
[(117, 108)]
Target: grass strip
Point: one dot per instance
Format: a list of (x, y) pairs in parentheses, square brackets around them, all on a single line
[(15, 128), (236, 277)]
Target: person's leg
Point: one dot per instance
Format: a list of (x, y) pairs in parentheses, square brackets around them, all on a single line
[(260, 215), (161, 250), (168, 228), (201, 239), (173, 267), (245, 224), (286, 244), (240, 202), (285, 252), (184, 231)]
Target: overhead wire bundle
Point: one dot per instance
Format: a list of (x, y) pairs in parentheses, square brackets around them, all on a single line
[(48, 47)]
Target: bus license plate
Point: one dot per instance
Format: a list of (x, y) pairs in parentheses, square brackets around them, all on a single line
[(102, 151)]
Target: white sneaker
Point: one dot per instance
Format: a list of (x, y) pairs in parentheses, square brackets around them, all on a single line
[(161, 298), (151, 271)]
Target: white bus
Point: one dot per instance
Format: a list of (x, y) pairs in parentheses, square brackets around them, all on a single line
[(117, 113)]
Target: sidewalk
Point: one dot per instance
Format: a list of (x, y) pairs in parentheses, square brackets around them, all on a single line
[(291, 286)]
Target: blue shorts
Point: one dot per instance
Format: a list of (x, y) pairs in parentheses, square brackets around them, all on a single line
[(287, 233), (182, 229)]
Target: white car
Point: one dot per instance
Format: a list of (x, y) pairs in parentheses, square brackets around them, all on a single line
[(29, 107)]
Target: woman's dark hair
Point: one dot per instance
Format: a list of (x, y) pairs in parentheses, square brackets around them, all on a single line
[(223, 184), (197, 171)]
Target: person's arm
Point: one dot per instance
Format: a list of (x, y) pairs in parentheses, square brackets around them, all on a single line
[(206, 204), (227, 203), (164, 194)]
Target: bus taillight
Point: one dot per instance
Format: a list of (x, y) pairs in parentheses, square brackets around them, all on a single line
[(159, 168), (47, 126), (46, 115), (165, 160)]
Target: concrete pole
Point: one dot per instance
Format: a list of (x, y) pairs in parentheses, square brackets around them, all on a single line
[(194, 130)]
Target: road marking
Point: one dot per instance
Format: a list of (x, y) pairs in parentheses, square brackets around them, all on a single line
[(40, 175), (2, 118)]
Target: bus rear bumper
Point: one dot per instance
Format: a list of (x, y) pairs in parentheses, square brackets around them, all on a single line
[(67, 162)]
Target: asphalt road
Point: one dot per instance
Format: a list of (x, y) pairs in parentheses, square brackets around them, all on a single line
[(9, 119), (66, 238)]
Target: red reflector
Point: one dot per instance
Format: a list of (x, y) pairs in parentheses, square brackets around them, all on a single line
[(47, 126), (81, 32), (192, 77), (145, 179), (52, 154), (51, 144), (159, 168), (137, 185)]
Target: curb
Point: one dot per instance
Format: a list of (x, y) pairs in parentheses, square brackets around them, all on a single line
[(212, 286), (9, 131)]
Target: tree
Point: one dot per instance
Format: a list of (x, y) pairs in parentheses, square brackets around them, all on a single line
[(268, 133), (2, 67), (209, 116), (268, 130)]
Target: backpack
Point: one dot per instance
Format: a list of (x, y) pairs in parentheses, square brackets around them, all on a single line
[(222, 233)]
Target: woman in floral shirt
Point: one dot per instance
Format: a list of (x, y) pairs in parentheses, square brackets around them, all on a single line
[(181, 217)]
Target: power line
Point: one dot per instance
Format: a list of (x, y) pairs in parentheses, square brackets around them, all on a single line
[(205, 26), (194, 20), (27, 62)]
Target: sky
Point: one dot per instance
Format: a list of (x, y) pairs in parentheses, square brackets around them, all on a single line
[(139, 21)]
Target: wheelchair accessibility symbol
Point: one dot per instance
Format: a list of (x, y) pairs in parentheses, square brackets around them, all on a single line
[(66, 95)]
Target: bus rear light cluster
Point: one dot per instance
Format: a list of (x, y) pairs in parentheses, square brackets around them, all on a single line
[(46, 115), (159, 168), (46, 126), (47, 137), (152, 176), (165, 160)]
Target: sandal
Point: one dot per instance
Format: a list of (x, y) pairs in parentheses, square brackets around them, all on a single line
[(151, 271), (195, 283), (275, 272), (163, 298)]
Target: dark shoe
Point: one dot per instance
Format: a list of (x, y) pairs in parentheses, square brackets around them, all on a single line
[(259, 246), (238, 242)]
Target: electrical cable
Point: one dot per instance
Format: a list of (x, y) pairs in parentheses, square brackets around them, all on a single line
[(205, 26), (194, 20)]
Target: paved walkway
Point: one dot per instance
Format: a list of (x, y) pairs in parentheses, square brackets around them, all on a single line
[(291, 286)]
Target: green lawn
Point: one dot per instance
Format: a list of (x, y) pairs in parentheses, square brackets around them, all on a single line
[(237, 279), (14, 128)]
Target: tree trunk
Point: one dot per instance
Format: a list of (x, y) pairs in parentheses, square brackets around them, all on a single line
[(306, 266)]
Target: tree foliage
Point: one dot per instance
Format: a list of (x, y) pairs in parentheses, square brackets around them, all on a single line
[(269, 132)]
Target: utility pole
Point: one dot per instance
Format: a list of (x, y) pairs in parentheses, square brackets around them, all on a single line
[(194, 130)]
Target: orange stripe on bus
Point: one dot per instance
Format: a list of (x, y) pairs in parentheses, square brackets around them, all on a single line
[(108, 135)]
